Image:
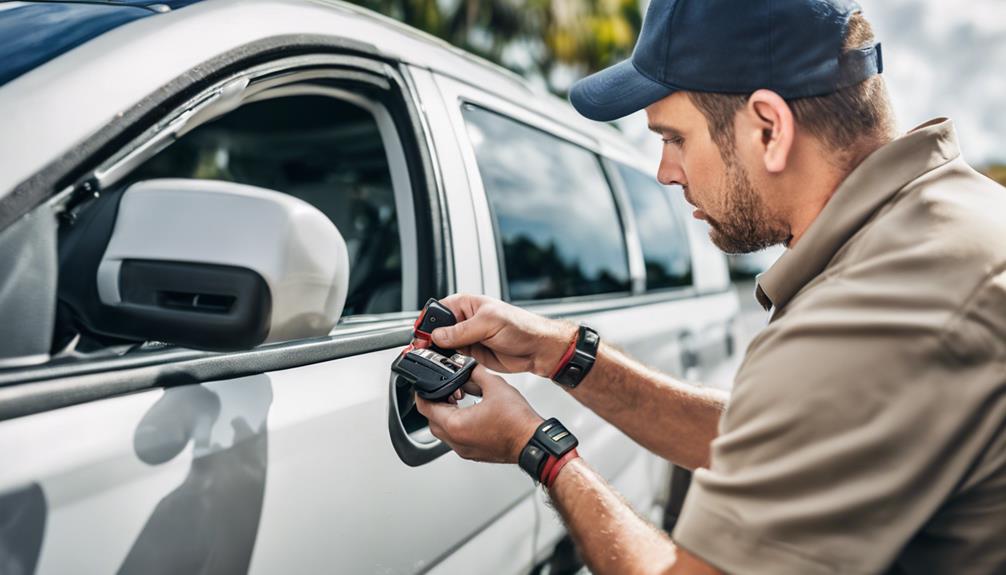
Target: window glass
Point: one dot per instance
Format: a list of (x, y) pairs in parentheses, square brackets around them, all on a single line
[(663, 238), (322, 150), (555, 215)]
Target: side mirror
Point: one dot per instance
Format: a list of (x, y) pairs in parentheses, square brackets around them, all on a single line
[(203, 264)]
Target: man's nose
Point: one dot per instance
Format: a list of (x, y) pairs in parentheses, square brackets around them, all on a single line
[(670, 172)]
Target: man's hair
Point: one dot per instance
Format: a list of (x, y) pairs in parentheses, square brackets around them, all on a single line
[(840, 120)]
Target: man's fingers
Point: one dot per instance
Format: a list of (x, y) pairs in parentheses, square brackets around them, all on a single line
[(422, 407), (485, 357), (462, 305), (486, 382), (474, 385), (467, 332), (434, 411), (472, 388)]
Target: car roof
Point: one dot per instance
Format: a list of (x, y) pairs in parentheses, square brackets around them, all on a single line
[(32, 33), (52, 101)]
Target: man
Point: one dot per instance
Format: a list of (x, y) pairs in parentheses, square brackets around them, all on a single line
[(865, 432)]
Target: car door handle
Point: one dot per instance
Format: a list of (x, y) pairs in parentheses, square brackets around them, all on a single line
[(689, 353), (689, 356), (408, 429)]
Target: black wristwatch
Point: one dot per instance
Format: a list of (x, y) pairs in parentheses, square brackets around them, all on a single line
[(579, 363), (551, 439)]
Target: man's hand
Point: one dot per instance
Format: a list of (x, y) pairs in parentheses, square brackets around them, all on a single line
[(503, 337), (494, 430)]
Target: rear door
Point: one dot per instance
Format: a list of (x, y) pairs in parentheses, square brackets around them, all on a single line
[(292, 457), (560, 236)]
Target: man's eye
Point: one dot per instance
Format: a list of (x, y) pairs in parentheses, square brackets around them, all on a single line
[(674, 140)]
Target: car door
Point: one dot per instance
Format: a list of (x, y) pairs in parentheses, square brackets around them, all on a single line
[(546, 204), (295, 456)]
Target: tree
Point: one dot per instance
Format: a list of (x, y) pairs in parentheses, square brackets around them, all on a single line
[(540, 39)]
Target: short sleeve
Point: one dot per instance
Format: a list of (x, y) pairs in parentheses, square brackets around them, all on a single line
[(847, 430)]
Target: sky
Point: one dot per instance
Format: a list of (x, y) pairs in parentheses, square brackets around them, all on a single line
[(941, 58), (947, 58)]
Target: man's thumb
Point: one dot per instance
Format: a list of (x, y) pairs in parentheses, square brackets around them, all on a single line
[(466, 333)]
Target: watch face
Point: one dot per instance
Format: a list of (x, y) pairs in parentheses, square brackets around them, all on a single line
[(574, 372)]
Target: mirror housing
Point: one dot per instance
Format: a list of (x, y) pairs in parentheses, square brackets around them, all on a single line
[(203, 264)]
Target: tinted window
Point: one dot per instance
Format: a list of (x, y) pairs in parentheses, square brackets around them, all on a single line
[(664, 239), (324, 151), (555, 215)]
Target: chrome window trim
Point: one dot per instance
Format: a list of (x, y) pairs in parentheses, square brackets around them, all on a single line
[(468, 94), (613, 166), (637, 261), (589, 305), (446, 239), (105, 362), (225, 96), (43, 388)]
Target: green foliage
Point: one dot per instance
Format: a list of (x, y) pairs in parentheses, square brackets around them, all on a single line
[(532, 37)]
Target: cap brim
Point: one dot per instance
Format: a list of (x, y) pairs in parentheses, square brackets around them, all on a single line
[(615, 92)]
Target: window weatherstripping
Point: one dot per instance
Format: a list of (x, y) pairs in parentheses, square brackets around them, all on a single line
[(44, 388)]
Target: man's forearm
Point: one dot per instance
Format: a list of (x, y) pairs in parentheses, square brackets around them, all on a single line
[(610, 536), (608, 533), (673, 419)]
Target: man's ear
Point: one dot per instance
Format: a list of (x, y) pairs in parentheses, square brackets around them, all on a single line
[(769, 121)]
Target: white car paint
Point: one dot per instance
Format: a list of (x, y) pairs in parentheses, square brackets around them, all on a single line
[(310, 444)]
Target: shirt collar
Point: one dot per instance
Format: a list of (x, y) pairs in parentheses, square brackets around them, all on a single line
[(858, 197)]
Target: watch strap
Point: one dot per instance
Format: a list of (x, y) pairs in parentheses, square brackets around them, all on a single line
[(532, 459), (549, 475), (579, 363), (551, 441)]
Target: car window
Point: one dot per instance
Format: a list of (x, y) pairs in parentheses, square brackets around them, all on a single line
[(323, 150), (555, 216), (663, 237)]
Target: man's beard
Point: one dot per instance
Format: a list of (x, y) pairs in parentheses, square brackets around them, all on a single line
[(747, 226)]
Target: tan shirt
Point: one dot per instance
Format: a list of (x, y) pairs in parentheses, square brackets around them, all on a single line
[(867, 428)]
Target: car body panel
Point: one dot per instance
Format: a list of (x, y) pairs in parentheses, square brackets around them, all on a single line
[(217, 475)]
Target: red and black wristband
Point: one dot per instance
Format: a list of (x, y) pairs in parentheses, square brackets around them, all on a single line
[(579, 358), (548, 450)]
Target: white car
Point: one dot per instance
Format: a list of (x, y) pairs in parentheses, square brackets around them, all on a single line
[(218, 222)]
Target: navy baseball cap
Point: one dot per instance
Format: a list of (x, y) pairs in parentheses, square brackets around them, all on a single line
[(792, 47)]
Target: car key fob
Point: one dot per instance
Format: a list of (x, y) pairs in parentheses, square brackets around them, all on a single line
[(434, 315), (434, 376)]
